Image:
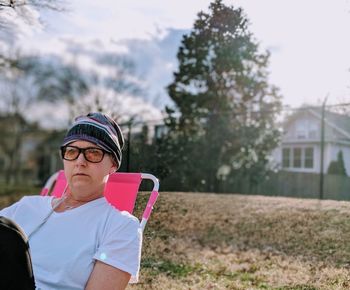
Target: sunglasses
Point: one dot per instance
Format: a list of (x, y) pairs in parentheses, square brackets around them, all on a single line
[(91, 154)]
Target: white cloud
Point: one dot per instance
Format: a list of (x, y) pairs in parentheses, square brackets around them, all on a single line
[(50, 115), (18, 23), (308, 39), (56, 115)]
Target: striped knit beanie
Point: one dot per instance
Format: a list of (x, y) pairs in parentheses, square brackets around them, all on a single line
[(99, 129)]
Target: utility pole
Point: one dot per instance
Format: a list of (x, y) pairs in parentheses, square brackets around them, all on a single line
[(322, 146), (128, 146)]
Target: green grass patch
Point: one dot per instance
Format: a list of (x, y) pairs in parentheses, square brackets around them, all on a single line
[(297, 287), (170, 268)]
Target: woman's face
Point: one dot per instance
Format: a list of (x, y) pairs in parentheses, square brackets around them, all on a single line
[(87, 180)]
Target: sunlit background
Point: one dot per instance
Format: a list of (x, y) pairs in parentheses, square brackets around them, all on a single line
[(61, 59), (307, 41), (241, 109)]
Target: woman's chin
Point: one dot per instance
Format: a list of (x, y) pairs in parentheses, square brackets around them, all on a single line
[(81, 187)]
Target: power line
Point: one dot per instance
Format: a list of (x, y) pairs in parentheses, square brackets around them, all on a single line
[(284, 108)]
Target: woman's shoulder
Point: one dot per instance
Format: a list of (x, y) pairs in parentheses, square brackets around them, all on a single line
[(35, 200), (123, 217), (27, 204)]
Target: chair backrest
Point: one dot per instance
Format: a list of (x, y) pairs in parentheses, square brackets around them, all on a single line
[(121, 190), (58, 182)]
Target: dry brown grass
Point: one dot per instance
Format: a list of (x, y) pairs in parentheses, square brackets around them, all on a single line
[(214, 241)]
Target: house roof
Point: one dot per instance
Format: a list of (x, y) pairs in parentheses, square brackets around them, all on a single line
[(339, 121)]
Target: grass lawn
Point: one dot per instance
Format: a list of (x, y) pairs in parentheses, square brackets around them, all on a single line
[(216, 241)]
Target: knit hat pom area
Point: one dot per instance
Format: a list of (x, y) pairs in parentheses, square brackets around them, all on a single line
[(99, 129)]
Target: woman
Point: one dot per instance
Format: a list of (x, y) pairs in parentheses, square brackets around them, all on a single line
[(80, 241)]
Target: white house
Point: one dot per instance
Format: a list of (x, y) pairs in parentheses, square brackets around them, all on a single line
[(301, 142)]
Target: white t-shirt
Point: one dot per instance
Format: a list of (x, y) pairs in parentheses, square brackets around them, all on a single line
[(66, 246)]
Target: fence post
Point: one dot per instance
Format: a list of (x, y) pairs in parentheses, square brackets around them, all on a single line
[(128, 147), (322, 147)]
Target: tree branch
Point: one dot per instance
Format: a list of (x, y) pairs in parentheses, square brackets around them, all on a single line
[(47, 4)]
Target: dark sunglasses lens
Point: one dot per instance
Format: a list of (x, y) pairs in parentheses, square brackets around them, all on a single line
[(93, 154), (70, 153)]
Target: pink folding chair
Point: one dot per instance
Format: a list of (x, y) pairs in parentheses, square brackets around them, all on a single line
[(121, 191)]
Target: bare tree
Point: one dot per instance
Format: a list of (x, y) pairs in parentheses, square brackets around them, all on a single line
[(18, 94), (50, 4), (49, 80), (19, 16), (106, 93)]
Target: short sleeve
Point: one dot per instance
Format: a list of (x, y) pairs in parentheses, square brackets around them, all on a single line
[(120, 245)]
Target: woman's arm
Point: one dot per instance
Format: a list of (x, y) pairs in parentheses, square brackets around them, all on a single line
[(107, 277)]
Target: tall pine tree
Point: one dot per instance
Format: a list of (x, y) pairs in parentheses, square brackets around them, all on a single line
[(225, 109), (337, 167)]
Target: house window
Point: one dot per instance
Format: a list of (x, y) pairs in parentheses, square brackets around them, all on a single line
[(297, 157), (313, 130), (286, 157), (160, 131), (301, 128), (312, 134), (309, 157)]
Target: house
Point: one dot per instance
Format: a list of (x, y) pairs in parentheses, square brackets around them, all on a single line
[(160, 130), (28, 153), (16, 147), (300, 149)]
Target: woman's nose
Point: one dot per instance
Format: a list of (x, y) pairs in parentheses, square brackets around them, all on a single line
[(81, 159)]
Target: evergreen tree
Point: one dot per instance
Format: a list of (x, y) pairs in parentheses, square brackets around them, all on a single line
[(337, 167), (224, 113)]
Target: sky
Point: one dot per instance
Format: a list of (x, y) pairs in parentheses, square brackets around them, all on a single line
[(308, 41)]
